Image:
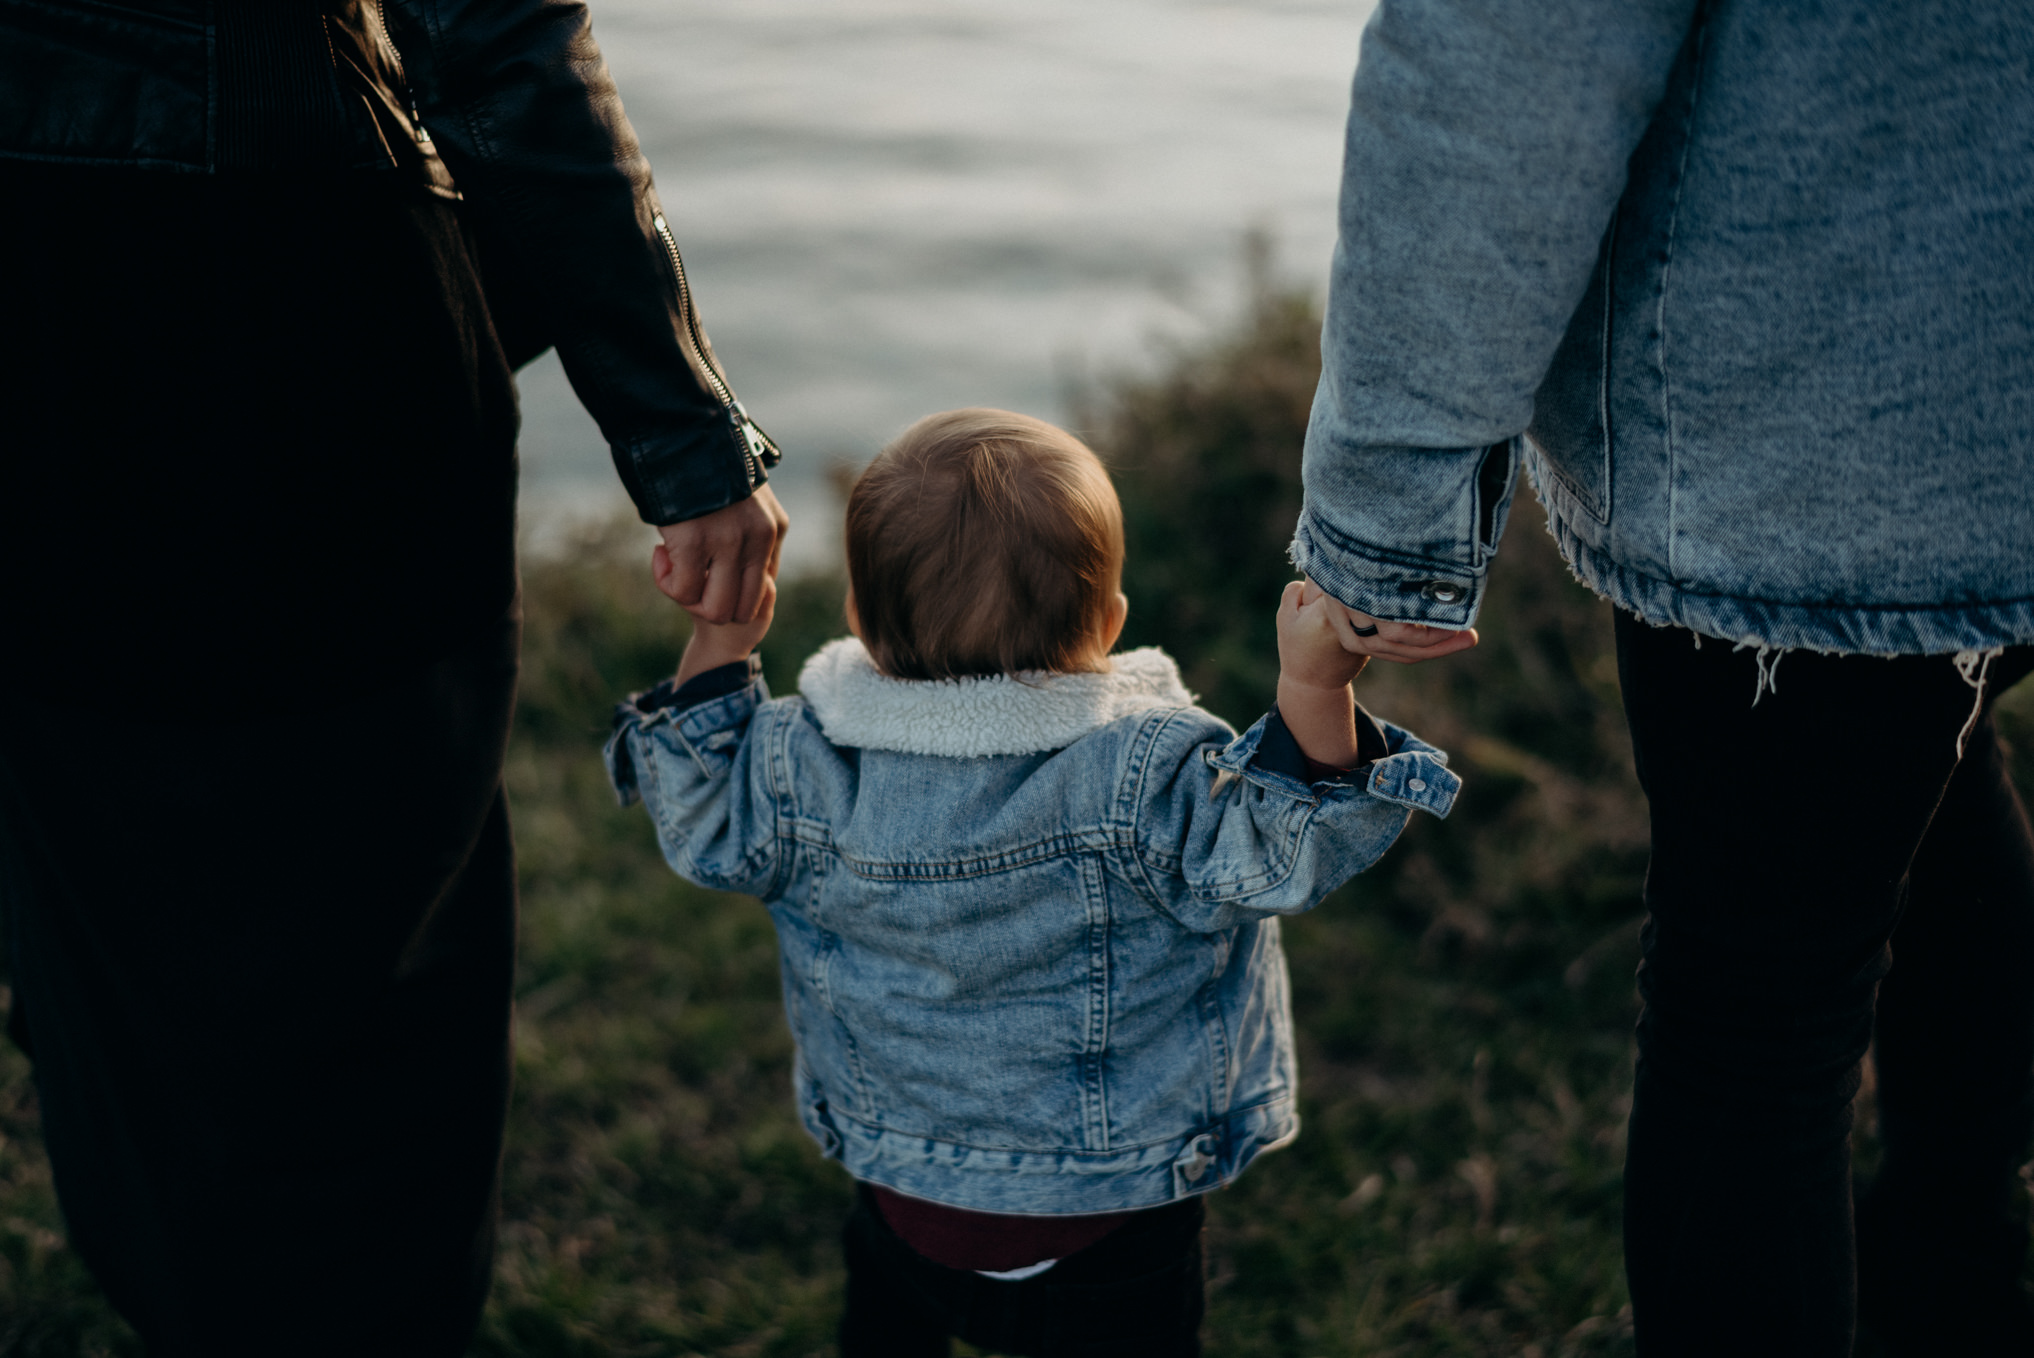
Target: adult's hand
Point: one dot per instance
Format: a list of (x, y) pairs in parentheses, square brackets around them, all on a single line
[(1402, 643), (714, 566)]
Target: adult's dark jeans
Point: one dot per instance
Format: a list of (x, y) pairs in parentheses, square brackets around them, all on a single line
[(263, 967), (1819, 851), (1135, 1293), (258, 620)]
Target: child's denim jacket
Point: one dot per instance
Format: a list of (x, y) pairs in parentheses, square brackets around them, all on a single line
[(1029, 926)]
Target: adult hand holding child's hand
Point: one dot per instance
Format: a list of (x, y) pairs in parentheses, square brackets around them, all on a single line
[(715, 644), (714, 566), (1402, 643), (1314, 674), (1310, 648)]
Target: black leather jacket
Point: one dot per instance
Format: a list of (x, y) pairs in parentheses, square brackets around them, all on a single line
[(506, 103)]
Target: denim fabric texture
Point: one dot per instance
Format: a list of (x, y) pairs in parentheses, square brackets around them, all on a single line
[(1038, 982), (1747, 286)]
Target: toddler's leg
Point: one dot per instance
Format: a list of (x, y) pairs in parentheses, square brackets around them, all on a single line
[(886, 1315), (1136, 1293)]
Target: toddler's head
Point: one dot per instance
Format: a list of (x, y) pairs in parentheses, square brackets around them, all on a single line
[(983, 542)]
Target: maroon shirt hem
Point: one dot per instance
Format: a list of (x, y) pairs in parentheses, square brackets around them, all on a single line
[(995, 1242)]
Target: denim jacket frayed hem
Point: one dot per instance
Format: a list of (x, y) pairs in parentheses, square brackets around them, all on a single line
[(1759, 328)]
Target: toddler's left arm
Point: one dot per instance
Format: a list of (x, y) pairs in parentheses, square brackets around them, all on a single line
[(1314, 677)]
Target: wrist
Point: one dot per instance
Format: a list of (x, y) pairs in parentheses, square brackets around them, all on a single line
[(704, 653), (1317, 687), (1314, 683), (1322, 719)]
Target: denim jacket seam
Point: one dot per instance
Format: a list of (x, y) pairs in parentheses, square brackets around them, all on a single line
[(1391, 558), (1216, 1028), (1202, 1127), (1066, 844), (1134, 782), (777, 733), (1140, 848), (1094, 1082), (1687, 130)]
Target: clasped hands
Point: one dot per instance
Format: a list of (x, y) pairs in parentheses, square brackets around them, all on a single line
[(1402, 643), (719, 566)]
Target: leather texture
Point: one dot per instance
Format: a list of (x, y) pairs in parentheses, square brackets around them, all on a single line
[(507, 104)]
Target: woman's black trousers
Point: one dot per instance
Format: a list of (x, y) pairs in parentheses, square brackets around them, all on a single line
[(1823, 862), (257, 590)]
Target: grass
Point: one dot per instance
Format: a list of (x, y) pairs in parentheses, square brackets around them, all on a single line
[(1464, 1010)]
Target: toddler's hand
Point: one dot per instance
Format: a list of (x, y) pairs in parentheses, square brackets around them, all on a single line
[(1310, 649), (715, 644)]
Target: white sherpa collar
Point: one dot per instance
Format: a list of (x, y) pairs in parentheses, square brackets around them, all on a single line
[(859, 706)]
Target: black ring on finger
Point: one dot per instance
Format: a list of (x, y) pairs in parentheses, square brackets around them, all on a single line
[(1369, 631)]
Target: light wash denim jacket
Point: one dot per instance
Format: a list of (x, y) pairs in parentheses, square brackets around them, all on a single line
[(1755, 278), (1028, 927)]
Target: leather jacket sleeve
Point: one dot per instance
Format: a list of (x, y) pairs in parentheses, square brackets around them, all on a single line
[(577, 252)]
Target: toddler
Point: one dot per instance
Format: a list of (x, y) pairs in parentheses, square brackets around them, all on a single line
[(1026, 893)]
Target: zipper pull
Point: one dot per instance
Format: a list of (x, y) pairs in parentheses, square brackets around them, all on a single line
[(762, 452)]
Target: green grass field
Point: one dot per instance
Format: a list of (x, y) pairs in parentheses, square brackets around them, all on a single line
[(1464, 1009)]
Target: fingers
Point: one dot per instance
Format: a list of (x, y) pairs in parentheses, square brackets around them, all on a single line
[(1402, 643), (720, 560), (717, 603), (1409, 643), (683, 578), (780, 523), (753, 577)]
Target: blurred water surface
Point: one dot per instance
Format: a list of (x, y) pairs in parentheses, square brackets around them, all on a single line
[(890, 207)]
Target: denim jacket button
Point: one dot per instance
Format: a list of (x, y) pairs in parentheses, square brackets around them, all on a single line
[(1415, 785), (1443, 591)]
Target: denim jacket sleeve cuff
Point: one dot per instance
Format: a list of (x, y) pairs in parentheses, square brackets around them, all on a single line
[(1411, 772), (1400, 532), (1385, 584), (704, 717), (1280, 752)]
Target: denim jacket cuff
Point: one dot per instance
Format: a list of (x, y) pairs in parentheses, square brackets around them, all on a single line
[(1412, 774), (704, 716), (1280, 752), (1386, 584)]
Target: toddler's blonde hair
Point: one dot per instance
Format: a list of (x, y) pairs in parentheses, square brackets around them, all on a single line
[(984, 542)]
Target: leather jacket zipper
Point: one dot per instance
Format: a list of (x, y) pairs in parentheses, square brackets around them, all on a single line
[(396, 55), (757, 448)]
